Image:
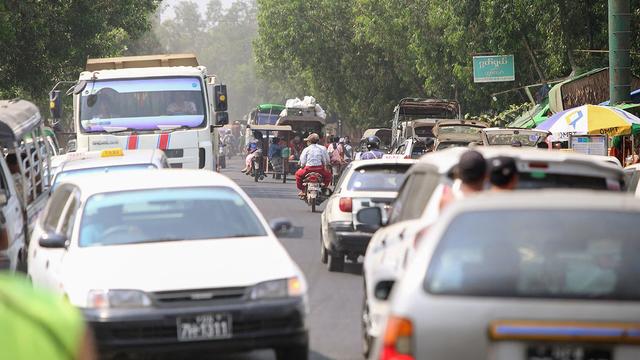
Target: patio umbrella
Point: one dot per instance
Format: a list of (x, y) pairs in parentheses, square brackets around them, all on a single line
[(589, 120)]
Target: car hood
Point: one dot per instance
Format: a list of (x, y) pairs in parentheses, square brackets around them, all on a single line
[(179, 265)]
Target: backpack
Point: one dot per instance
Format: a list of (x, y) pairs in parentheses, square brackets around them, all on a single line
[(337, 157)]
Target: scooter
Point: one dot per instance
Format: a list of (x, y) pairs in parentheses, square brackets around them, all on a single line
[(315, 193)]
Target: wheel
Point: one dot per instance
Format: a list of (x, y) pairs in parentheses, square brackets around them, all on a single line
[(367, 340), (335, 262), (313, 205), (298, 352), (324, 256)]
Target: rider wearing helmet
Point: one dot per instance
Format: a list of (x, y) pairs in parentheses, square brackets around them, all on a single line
[(314, 158), (373, 145)]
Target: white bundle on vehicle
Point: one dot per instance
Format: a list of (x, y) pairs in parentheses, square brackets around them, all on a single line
[(307, 103)]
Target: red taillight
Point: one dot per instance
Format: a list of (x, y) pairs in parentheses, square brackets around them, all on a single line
[(538, 165), (398, 340), (312, 179), (346, 204), (407, 156)]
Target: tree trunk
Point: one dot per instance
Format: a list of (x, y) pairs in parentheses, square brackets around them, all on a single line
[(532, 55)]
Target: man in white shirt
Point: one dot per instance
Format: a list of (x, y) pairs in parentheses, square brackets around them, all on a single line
[(314, 158)]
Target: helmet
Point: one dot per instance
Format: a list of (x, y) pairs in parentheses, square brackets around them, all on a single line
[(373, 142)]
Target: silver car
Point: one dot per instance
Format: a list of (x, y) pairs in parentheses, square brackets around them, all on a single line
[(545, 275)]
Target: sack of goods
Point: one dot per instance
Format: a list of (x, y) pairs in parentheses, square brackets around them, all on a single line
[(308, 106)]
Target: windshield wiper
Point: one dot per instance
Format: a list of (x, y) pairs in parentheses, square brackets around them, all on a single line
[(117, 129), (172, 128)]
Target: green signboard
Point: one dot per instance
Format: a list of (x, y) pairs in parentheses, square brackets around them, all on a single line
[(493, 68)]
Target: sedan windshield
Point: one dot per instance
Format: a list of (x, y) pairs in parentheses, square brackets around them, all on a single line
[(145, 216), (377, 178), (142, 104), (580, 254)]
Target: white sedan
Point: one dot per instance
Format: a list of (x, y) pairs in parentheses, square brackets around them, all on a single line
[(170, 260)]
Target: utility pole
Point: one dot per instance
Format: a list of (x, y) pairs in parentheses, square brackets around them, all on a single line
[(619, 51)]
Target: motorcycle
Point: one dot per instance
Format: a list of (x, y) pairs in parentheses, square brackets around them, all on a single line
[(315, 192)]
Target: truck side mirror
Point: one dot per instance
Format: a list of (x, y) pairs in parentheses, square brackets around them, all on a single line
[(222, 118), (220, 98), (55, 104), (72, 145)]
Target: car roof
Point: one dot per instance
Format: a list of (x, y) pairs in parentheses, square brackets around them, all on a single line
[(358, 164), (548, 199), (92, 184), (446, 159), (92, 159)]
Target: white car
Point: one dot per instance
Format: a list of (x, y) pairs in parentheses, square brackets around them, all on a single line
[(170, 260), (392, 247), (110, 160), (364, 183), (522, 275)]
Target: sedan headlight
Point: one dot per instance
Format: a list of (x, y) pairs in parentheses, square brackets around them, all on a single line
[(102, 299), (278, 289)]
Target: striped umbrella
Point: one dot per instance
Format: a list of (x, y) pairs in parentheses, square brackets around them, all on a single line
[(589, 120)]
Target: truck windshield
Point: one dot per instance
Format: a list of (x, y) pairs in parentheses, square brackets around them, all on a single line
[(267, 118), (142, 104)]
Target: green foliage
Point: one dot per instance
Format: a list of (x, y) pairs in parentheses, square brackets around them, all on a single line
[(360, 57), (47, 41)]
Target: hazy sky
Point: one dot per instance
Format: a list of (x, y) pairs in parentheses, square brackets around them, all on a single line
[(201, 3)]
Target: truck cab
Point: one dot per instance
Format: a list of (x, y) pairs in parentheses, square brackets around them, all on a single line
[(415, 118), (149, 102)]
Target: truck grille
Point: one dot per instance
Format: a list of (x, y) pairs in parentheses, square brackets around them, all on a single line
[(201, 295)]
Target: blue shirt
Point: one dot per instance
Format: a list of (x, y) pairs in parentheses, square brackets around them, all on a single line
[(275, 151), (371, 155)]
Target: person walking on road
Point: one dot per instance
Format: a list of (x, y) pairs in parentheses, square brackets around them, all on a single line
[(373, 147), (314, 158), (503, 174)]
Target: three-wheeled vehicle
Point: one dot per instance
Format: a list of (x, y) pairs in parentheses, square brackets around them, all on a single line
[(303, 122), (262, 165), (25, 177), (513, 136)]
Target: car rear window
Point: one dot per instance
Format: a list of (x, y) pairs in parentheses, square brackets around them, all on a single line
[(576, 254), (378, 178), (172, 214), (542, 180)]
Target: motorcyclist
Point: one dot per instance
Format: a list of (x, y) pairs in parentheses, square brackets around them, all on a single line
[(373, 147), (314, 158)]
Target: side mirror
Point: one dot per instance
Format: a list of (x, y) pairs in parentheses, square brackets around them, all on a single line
[(220, 98), (280, 226), (72, 145), (55, 104), (53, 241), (370, 219), (383, 290), (222, 118)]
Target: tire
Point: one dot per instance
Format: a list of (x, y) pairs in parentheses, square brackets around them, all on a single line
[(367, 340), (324, 254), (313, 205), (335, 262), (298, 352)]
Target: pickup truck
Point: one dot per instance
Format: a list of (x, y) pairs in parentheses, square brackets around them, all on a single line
[(24, 177)]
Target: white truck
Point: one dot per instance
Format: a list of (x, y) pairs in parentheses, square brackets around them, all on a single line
[(24, 178), (166, 102)]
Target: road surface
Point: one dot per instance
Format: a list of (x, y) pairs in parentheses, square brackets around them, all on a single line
[(335, 298)]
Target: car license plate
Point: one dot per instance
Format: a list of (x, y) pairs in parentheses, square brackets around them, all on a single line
[(204, 327), (313, 186), (567, 352)]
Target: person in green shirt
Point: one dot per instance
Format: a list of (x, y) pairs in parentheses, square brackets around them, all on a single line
[(35, 324)]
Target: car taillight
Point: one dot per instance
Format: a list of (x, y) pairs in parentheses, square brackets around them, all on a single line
[(398, 340), (346, 204)]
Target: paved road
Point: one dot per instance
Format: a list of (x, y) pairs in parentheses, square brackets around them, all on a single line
[(335, 298)]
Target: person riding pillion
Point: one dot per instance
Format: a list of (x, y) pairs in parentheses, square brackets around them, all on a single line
[(314, 158), (373, 147)]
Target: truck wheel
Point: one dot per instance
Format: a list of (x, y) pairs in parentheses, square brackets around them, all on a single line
[(335, 262), (298, 352)]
